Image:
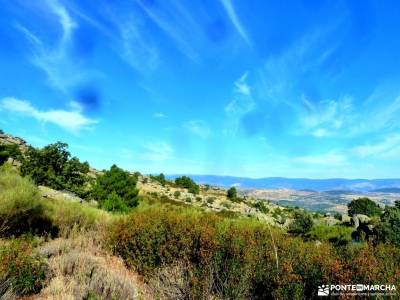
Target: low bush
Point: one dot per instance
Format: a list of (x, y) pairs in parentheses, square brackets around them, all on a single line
[(226, 204), (302, 223), (9, 150), (159, 178), (260, 205), (177, 194), (211, 200), (187, 183), (337, 234), (21, 269), (114, 203), (226, 258)]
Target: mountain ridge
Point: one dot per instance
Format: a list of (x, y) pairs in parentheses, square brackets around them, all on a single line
[(329, 184)]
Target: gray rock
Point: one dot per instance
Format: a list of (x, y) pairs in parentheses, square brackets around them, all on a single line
[(345, 218), (359, 219)]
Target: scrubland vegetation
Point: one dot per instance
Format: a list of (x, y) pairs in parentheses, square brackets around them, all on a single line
[(128, 245)]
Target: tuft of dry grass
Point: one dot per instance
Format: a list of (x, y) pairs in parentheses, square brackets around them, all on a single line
[(172, 281), (70, 217), (79, 269)]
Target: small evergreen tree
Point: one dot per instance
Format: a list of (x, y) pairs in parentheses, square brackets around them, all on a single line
[(53, 166), (119, 182), (232, 193)]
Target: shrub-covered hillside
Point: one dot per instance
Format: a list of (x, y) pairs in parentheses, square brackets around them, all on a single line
[(131, 236)]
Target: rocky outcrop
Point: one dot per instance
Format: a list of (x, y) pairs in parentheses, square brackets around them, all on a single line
[(345, 219), (360, 219), (49, 193), (8, 139), (363, 226)]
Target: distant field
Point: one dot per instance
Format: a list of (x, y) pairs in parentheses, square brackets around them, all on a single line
[(329, 201)]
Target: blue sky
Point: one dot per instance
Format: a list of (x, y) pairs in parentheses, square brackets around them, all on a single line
[(225, 87)]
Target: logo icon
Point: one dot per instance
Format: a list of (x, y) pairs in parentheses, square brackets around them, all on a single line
[(323, 290)]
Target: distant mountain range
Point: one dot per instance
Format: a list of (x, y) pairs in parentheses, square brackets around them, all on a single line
[(332, 185)]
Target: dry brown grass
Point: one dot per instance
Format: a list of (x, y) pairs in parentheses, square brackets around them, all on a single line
[(172, 281), (79, 269)]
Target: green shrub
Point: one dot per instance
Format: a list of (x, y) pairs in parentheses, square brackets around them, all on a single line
[(114, 203), (160, 178), (277, 212), (226, 204), (188, 199), (9, 150), (198, 199), (337, 234), (337, 216), (238, 259), (397, 204), (229, 259), (177, 194), (211, 200), (232, 193), (388, 229), (116, 181), (21, 270), (21, 210), (260, 205), (364, 206), (187, 183), (302, 223)]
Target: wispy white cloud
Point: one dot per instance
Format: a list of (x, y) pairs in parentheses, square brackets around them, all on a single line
[(137, 51), (242, 101), (130, 38), (241, 85), (53, 58), (230, 10), (157, 152), (326, 118), (71, 120), (389, 147), (67, 23), (177, 23), (330, 158), (197, 127), (159, 115)]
